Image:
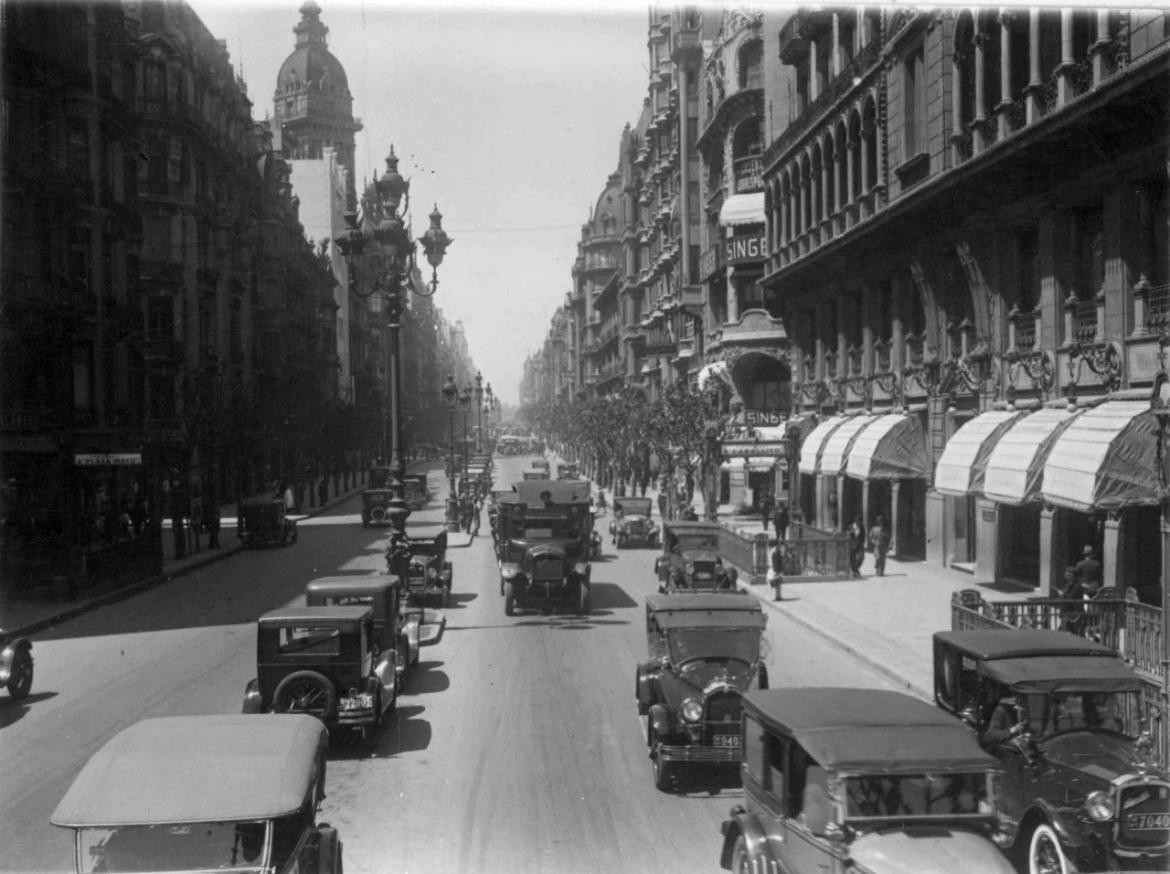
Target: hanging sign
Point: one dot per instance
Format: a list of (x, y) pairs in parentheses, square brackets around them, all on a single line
[(746, 248), (107, 459)]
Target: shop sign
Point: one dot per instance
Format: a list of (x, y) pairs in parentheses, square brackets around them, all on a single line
[(746, 248), (107, 459), (769, 448), (763, 418)]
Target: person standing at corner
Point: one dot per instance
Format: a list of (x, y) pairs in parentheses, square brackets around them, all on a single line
[(780, 521), (1089, 572), (879, 539), (775, 575), (856, 547)]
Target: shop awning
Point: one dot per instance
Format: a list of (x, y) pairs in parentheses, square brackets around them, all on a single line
[(753, 464), (833, 456), (810, 449), (708, 372), (891, 447), (1105, 459), (1015, 467), (742, 209), (961, 467)]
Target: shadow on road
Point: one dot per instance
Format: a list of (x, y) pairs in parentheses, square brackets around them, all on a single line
[(13, 711), (705, 780), (425, 678), (609, 596), (402, 731)]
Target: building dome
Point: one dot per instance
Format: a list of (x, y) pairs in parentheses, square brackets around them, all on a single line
[(311, 65)]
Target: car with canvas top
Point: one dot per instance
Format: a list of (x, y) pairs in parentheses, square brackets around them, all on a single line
[(690, 560), (633, 523)]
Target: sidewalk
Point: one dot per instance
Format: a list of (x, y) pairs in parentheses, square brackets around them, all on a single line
[(38, 610), (885, 622)]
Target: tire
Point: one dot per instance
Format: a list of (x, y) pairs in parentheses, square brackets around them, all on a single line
[(21, 675), (1045, 855), (763, 677), (328, 850), (663, 771), (741, 862), (509, 600), (306, 692), (582, 597), (445, 598)]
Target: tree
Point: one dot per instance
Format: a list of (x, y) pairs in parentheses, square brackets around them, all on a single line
[(686, 429)]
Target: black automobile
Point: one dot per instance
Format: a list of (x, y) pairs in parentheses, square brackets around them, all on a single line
[(377, 497), (265, 522), (705, 652), (1064, 716), (428, 573), (633, 523), (544, 540), (690, 560)]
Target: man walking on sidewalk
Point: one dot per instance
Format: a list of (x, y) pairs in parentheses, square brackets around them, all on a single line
[(879, 539), (780, 521)]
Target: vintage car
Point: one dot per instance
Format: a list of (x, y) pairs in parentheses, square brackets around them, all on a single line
[(424, 566), (415, 490), (324, 661), (535, 474), (633, 523), (398, 625), (541, 464), (706, 651), (1080, 789), (204, 793), (377, 497), (690, 559), (544, 539), (860, 780), (16, 665), (568, 470), (264, 522)]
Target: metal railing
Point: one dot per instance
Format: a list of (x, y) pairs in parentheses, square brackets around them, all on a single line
[(809, 553)]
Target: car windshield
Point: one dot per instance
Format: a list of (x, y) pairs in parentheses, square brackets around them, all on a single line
[(1061, 712), (560, 528), (685, 644), (197, 846), (706, 542), (917, 795), (322, 640)]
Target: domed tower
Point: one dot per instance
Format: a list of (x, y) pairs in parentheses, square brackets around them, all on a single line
[(314, 109)]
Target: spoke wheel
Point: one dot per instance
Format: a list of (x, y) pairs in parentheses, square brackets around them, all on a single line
[(21, 677), (305, 692), (1045, 855)]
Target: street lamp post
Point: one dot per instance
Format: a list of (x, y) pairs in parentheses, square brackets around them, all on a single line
[(465, 405), (380, 253), (487, 408), (479, 413), (451, 398)]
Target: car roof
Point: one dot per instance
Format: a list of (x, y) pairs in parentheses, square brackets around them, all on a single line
[(632, 502), (683, 527), (565, 491), (197, 769), (1010, 643), (743, 618), (703, 601), (352, 583), (353, 613), (870, 730)]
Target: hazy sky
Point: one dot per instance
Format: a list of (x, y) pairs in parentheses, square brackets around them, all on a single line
[(508, 118)]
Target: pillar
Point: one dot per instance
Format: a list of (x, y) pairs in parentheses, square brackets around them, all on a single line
[(937, 513), (1113, 552), (1063, 82), (1031, 107), (986, 524), (896, 522), (1005, 72), (978, 138), (1053, 552)]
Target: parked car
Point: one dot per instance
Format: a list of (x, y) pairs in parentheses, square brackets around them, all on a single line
[(416, 490), (398, 624), (16, 665), (264, 522), (204, 793), (428, 573), (326, 662), (633, 522), (568, 470), (544, 539), (690, 560), (860, 780), (377, 496), (706, 651), (1081, 790)]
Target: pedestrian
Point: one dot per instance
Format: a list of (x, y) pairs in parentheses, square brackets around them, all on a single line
[(138, 514), (780, 521), (775, 574), (211, 523), (662, 502), (767, 505), (323, 490), (1089, 572), (879, 540), (286, 495), (856, 547)]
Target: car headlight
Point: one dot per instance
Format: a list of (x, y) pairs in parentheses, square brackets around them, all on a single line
[(580, 568), (509, 570), (689, 567), (432, 573), (692, 710), (1099, 805)]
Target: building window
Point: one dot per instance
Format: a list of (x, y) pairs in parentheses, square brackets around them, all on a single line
[(914, 86), (1089, 253), (751, 65)]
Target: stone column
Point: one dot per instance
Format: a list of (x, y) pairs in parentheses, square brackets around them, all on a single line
[(1053, 550), (1034, 82), (1113, 553), (895, 520), (1005, 73), (1063, 82), (986, 525), (978, 138)]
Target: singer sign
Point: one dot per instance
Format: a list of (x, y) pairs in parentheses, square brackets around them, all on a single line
[(746, 248)]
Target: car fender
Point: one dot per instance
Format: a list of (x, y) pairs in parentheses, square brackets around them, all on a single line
[(253, 703), (411, 632), (1072, 832), (748, 825), (661, 720), (644, 684), (660, 566)]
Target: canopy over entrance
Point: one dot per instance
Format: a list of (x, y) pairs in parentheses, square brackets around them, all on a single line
[(961, 468), (1015, 467), (836, 449), (891, 447), (810, 449)]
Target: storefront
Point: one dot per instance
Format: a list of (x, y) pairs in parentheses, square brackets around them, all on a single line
[(814, 491)]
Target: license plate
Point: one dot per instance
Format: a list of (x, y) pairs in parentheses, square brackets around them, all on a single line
[(703, 576), (1147, 821), (728, 740), (361, 702)]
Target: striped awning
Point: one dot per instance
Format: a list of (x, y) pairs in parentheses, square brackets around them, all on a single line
[(1015, 467), (810, 449), (836, 449), (889, 447), (1105, 459), (960, 469), (742, 209)]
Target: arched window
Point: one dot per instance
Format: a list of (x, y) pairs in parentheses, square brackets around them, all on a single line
[(816, 194), (785, 208), (841, 152), (855, 154), (831, 205), (869, 133), (751, 65), (806, 194), (989, 26), (964, 86)]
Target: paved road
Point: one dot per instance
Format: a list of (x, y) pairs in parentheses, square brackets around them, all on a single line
[(516, 747)]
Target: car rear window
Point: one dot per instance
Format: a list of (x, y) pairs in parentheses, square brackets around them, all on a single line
[(315, 640)]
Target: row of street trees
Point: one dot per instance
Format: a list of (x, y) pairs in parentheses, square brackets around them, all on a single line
[(623, 440)]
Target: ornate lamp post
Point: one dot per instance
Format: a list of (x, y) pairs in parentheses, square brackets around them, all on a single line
[(479, 413), (381, 256), (451, 398), (487, 408), (465, 405)]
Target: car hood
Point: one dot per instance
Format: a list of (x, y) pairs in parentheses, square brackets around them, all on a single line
[(699, 555), (633, 517), (700, 677), (547, 547), (933, 849), (1098, 755)]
